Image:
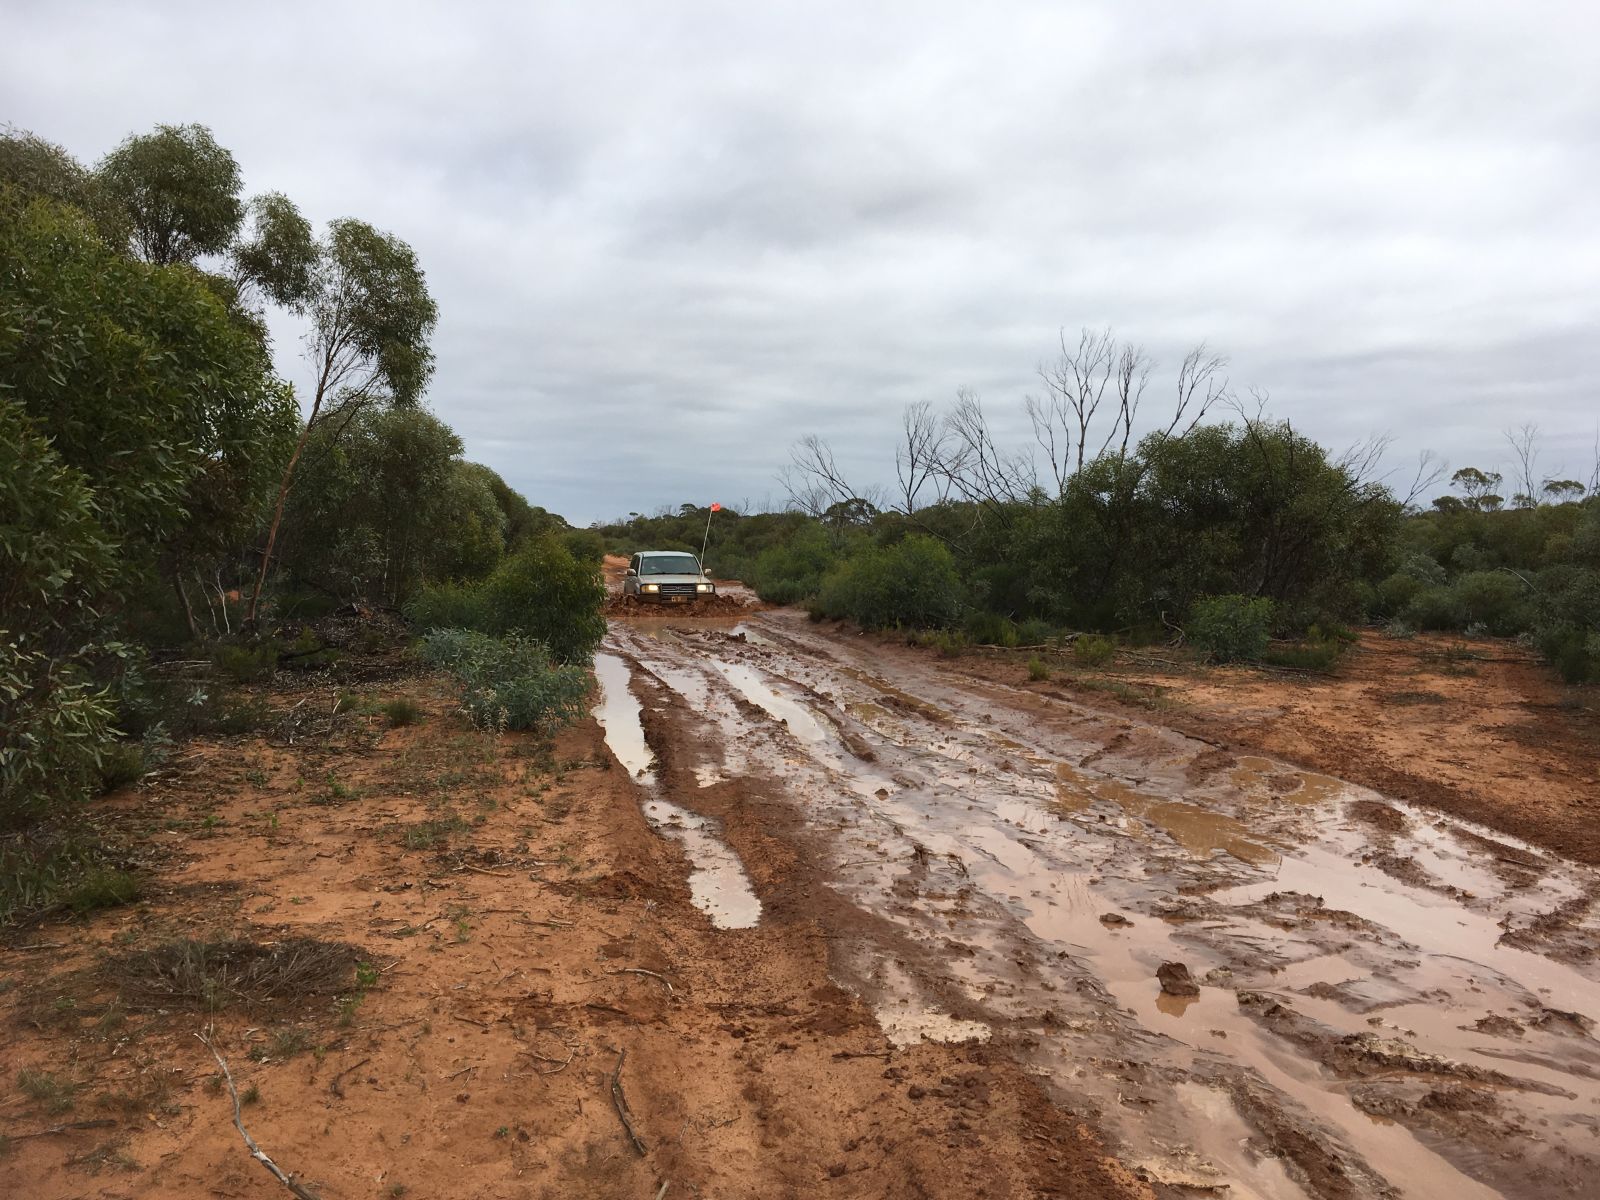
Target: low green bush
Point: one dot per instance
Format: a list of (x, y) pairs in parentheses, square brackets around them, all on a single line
[(245, 663), (1436, 609), (509, 682), (1497, 600), (121, 763), (1091, 650), (402, 711), (912, 583), (541, 592), (1038, 669), (1231, 628)]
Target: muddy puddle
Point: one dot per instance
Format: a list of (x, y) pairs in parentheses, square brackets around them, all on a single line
[(1362, 1027), (718, 885)]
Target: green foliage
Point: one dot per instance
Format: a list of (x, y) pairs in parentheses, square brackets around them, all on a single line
[(912, 583), (1498, 601), (1436, 608), (1231, 628), (402, 711), (1038, 669), (279, 252), (180, 191), (792, 571), (59, 866), (385, 503), (369, 298), (541, 592), (57, 575), (1093, 651), (508, 682), (1319, 651), (245, 663), (38, 169)]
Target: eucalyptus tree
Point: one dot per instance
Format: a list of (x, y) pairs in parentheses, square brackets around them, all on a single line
[(180, 190), (371, 316)]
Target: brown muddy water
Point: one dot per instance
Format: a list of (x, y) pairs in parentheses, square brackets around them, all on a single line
[(1377, 1014)]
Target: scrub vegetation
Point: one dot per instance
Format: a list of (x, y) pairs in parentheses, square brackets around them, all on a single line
[(1219, 526), (178, 524)]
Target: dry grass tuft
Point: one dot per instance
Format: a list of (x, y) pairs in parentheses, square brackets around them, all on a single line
[(216, 975)]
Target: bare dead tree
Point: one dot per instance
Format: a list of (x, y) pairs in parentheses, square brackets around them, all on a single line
[(1430, 471), (972, 462), (1363, 458), (1201, 386), (1092, 396), (815, 483), (1524, 443), (917, 457)]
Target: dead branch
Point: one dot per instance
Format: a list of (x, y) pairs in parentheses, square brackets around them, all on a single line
[(642, 971), (70, 1127), (333, 1084), (621, 1103), (288, 1181)]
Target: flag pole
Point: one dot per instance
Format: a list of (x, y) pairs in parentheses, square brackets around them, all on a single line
[(706, 541)]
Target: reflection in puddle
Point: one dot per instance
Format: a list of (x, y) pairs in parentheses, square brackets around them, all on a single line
[(1174, 1006), (619, 715), (718, 885), (754, 688)]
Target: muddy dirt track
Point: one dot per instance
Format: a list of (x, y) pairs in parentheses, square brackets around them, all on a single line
[(1389, 1003), (808, 913)]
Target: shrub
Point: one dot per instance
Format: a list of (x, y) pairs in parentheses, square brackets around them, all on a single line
[(1316, 653), (991, 629), (1038, 669), (1091, 650), (1498, 600), (1034, 632), (912, 583), (1231, 628), (1436, 609), (121, 763), (792, 571), (541, 592), (402, 711), (509, 682), (245, 664)]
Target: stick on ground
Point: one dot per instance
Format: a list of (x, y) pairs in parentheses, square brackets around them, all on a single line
[(256, 1152), (621, 1103)]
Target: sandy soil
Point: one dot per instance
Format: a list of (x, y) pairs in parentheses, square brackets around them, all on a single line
[(524, 941), (816, 913)]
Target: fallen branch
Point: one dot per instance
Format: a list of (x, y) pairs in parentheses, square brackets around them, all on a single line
[(70, 1127), (485, 871), (256, 1152), (333, 1084), (641, 971), (621, 1103)]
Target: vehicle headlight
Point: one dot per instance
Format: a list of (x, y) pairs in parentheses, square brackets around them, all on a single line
[(703, 587), (652, 587)]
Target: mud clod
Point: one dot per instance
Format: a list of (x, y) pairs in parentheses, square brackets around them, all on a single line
[(1176, 980)]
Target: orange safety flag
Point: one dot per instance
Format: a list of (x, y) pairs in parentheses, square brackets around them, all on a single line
[(715, 507)]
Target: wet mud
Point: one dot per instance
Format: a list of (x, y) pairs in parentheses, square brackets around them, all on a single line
[(1356, 996)]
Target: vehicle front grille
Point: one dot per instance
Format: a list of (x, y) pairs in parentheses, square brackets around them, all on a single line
[(677, 589)]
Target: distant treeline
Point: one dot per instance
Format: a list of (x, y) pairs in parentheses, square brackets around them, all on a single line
[(1229, 532)]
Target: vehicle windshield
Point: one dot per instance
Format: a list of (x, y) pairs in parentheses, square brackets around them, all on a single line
[(668, 564)]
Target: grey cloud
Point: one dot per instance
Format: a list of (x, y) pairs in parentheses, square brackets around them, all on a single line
[(669, 239)]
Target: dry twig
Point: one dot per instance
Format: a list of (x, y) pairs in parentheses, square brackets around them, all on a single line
[(641, 971), (256, 1152), (621, 1103)]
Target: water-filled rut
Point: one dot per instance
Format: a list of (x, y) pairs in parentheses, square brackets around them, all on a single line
[(1376, 1014)]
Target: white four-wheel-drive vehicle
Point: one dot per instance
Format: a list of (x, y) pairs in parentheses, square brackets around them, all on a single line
[(666, 577)]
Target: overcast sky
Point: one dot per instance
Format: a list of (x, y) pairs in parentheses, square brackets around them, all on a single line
[(667, 239)]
